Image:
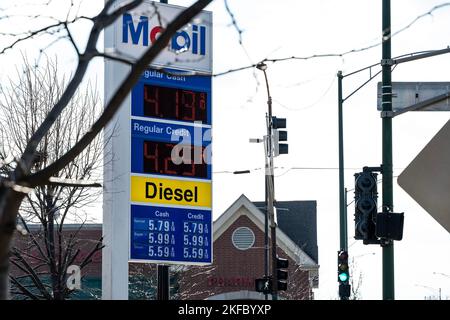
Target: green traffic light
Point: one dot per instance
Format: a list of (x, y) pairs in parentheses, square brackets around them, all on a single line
[(343, 276)]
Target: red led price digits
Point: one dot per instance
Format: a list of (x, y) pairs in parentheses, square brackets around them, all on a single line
[(158, 159), (151, 100), (175, 104), (202, 102), (168, 160), (151, 156), (188, 104)]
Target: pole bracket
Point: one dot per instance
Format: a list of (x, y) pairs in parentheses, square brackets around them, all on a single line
[(387, 62), (385, 242), (373, 169), (387, 114)]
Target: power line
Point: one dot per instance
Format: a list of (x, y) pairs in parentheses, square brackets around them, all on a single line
[(337, 55), (312, 104), (234, 22), (289, 169)]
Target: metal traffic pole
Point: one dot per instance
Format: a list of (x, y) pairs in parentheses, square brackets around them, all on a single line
[(266, 215), (270, 185), (386, 103), (342, 196)]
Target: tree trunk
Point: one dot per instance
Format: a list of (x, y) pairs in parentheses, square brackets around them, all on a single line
[(4, 278), (50, 210), (9, 206)]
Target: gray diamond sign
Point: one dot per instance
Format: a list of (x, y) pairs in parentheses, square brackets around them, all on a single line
[(427, 177)]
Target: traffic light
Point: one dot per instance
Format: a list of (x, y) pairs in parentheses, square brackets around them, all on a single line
[(366, 207), (279, 135), (263, 285), (343, 275), (343, 272), (282, 273)]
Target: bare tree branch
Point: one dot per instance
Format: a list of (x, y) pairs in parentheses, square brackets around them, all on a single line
[(23, 289), (100, 22), (233, 21), (24, 266), (125, 87), (13, 190)]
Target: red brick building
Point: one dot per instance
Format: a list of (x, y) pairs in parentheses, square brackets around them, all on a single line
[(239, 256)]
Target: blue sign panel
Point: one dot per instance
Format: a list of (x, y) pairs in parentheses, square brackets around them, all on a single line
[(153, 143), (171, 234), (171, 137)]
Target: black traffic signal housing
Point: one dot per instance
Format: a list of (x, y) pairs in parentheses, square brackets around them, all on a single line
[(390, 225), (282, 273), (264, 285), (366, 196), (343, 275), (279, 135), (343, 269), (344, 291)]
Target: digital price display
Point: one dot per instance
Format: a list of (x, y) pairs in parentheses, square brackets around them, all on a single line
[(160, 95), (174, 103), (171, 234), (157, 158)]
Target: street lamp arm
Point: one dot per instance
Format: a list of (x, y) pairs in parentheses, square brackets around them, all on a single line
[(269, 98), (263, 67), (422, 56)]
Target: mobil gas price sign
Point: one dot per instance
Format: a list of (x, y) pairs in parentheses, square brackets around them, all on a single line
[(170, 181), (158, 190)]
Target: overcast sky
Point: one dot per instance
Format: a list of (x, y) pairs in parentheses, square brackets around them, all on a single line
[(305, 92)]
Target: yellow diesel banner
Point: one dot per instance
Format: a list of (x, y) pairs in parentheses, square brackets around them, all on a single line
[(168, 191)]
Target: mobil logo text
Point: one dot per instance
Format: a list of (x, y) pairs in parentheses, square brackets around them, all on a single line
[(139, 32)]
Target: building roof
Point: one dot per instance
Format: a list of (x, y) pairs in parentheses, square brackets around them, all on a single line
[(243, 206), (68, 226), (298, 220)]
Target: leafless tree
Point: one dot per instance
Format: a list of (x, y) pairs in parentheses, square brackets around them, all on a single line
[(143, 281), (191, 280), (20, 180), (49, 249), (355, 281), (299, 283)]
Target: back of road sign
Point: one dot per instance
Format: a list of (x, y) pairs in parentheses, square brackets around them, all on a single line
[(427, 178), (406, 94)]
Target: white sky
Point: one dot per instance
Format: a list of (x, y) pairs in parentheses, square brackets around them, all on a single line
[(305, 92)]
